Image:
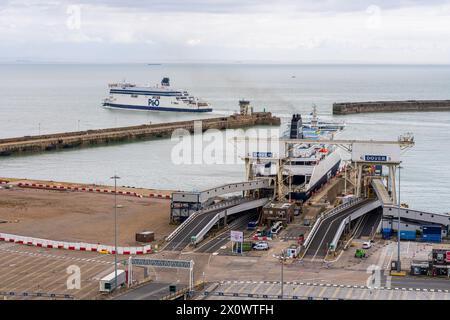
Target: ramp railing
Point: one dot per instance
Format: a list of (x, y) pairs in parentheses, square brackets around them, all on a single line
[(326, 215), (213, 207), (239, 208)]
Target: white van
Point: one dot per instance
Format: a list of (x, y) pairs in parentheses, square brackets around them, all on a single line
[(276, 228), (367, 245), (261, 245)]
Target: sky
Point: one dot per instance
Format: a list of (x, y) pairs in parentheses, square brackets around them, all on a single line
[(276, 31)]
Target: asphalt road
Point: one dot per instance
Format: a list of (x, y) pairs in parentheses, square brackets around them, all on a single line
[(421, 282), (150, 291), (318, 247), (239, 224), (181, 240), (369, 222)]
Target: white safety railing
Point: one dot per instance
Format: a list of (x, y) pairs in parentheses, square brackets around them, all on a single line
[(213, 207), (358, 213), (199, 237), (239, 208), (327, 214)]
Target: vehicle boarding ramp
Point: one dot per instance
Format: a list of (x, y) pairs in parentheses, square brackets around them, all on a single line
[(197, 225), (330, 223), (381, 192), (392, 212), (366, 209), (367, 225), (184, 204)]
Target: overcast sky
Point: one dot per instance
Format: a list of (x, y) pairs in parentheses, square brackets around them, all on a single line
[(299, 31)]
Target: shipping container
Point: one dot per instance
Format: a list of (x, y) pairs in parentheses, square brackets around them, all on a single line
[(108, 283), (145, 236), (386, 232), (432, 229), (407, 235), (431, 237)]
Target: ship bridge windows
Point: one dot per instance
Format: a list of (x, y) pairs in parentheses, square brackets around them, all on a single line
[(302, 163)]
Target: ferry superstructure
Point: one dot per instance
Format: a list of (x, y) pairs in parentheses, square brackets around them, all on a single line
[(158, 98), (306, 166)]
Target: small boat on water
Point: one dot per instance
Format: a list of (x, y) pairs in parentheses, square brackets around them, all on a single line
[(153, 98)]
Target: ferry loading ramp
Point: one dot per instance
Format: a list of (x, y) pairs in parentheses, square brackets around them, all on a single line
[(326, 228), (185, 203), (193, 229)]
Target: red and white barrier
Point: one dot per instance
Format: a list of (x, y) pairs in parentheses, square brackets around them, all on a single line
[(124, 193), (80, 246), (263, 238)]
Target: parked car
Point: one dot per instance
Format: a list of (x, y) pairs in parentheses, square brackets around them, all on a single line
[(367, 245), (276, 228), (262, 245)]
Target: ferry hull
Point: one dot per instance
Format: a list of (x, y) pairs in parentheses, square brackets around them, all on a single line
[(149, 108), (324, 179)]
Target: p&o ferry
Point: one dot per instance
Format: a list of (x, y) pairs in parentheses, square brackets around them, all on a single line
[(158, 98)]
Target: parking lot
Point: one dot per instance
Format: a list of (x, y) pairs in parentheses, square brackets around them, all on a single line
[(25, 269)]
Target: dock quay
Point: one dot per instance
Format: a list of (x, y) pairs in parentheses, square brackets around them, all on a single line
[(390, 106), (78, 139)]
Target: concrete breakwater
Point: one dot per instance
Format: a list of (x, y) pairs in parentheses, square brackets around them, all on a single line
[(391, 106), (67, 140)]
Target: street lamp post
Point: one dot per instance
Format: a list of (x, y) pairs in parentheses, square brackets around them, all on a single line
[(398, 216), (115, 177), (282, 273)]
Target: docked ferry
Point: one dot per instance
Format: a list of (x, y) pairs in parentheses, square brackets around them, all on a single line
[(158, 98), (308, 165)]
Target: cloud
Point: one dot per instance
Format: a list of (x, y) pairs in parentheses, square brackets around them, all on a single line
[(193, 42), (253, 6), (321, 30)]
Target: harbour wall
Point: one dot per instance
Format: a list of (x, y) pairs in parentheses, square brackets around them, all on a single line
[(69, 140), (390, 106)]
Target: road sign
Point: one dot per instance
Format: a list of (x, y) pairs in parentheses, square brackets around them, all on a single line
[(237, 236), (183, 264), (375, 152), (262, 154)]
